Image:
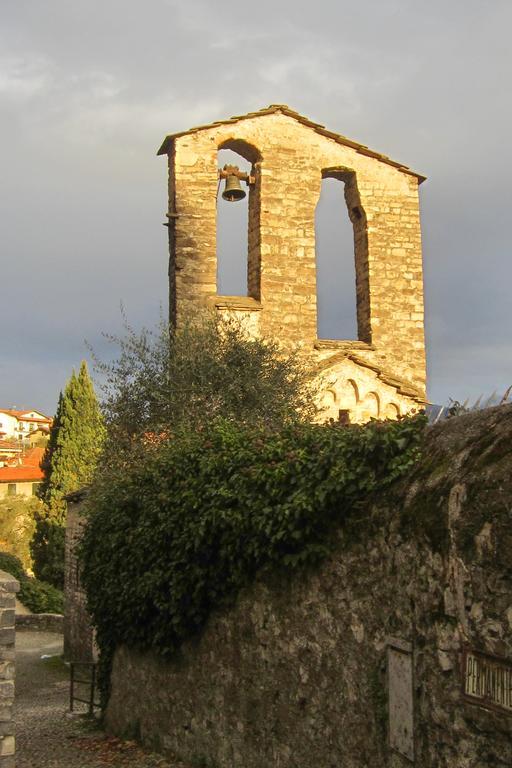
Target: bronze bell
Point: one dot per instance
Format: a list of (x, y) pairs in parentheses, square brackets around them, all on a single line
[(233, 189)]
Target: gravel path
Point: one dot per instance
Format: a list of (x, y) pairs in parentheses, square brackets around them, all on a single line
[(46, 736)]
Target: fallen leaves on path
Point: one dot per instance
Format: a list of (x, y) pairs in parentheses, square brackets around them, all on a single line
[(110, 750)]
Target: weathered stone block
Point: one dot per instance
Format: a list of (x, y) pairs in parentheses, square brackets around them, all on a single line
[(7, 636), (5, 712), (7, 670), (7, 616), (7, 746), (6, 689)]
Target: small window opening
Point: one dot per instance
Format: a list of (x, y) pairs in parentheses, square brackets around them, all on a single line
[(232, 232), (335, 263)]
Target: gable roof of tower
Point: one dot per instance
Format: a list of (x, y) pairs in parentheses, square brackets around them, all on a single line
[(317, 127)]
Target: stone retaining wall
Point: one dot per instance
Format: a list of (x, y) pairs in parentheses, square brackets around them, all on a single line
[(40, 622), (8, 588), (396, 651), (79, 642)]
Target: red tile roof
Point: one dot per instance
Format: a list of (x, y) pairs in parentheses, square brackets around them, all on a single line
[(37, 419), (9, 445), (21, 415), (29, 471)]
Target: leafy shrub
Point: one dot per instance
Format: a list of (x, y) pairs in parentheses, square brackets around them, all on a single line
[(17, 524), (12, 565), (47, 549), (37, 596), (170, 380), (40, 597), (186, 528)]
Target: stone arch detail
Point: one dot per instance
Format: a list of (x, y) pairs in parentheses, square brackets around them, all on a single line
[(370, 406), (391, 411), (329, 399), (354, 390)]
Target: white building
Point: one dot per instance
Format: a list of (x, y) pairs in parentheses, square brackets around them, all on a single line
[(18, 424)]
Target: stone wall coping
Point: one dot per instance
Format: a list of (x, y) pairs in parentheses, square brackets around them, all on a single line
[(8, 582), (342, 344), (40, 622), (76, 496), (246, 303), (399, 643)]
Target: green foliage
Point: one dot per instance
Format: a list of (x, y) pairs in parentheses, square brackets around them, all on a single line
[(12, 565), (75, 443), (44, 492), (35, 595), (196, 518), (47, 548), (17, 525), (40, 597), (172, 380)]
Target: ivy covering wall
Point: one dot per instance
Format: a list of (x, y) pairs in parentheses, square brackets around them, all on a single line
[(179, 534)]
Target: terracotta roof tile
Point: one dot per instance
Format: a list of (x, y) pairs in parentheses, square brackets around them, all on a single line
[(20, 474), (20, 414), (28, 471)]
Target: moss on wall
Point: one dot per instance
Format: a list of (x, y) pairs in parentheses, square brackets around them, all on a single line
[(293, 673)]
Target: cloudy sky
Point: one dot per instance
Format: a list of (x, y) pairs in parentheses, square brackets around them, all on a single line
[(88, 89)]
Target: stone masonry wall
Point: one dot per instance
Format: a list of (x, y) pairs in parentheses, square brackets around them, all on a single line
[(8, 588), (39, 622), (302, 671), (290, 159), (78, 632)]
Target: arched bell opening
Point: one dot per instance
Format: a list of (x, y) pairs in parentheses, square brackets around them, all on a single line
[(341, 259), (238, 250)]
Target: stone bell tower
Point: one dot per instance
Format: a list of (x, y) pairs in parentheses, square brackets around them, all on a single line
[(381, 373)]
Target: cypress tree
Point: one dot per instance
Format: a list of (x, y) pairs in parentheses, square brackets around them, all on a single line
[(74, 446), (50, 450)]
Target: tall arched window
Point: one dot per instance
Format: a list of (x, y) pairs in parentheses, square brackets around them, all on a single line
[(341, 259), (238, 252)]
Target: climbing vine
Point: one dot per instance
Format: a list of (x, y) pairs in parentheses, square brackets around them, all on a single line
[(197, 517)]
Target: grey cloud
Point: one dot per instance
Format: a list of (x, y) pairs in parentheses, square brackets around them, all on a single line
[(89, 89)]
